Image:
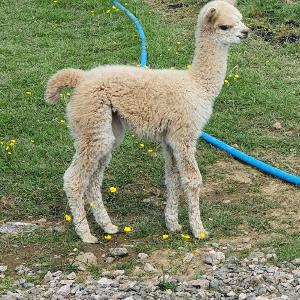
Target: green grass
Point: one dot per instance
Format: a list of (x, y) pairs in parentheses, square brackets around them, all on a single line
[(41, 37)]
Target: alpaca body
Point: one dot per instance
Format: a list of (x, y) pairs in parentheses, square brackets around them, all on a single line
[(165, 105), (152, 103)]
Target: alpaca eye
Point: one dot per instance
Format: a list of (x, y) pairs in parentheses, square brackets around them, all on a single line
[(224, 27)]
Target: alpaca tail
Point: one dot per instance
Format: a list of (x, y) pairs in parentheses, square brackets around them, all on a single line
[(65, 77)]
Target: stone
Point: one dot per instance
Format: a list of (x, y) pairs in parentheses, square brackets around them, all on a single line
[(3, 269), (296, 262), (143, 256), (118, 251), (66, 282), (17, 227), (188, 257), (64, 290), (277, 126), (214, 258), (105, 282), (128, 286), (109, 260), (200, 283), (118, 273), (72, 276), (149, 268), (242, 296), (85, 258)]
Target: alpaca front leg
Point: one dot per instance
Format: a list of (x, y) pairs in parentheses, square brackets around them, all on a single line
[(173, 189), (191, 181)]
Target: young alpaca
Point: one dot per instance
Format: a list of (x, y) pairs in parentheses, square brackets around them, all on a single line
[(169, 106)]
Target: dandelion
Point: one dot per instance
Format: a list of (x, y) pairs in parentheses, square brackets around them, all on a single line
[(68, 94), (141, 145), (165, 236), (91, 204), (55, 1), (188, 67), (68, 218), (114, 7), (127, 229), (178, 43), (92, 14), (202, 235), (62, 122), (226, 81), (113, 189), (150, 150), (32, 141), (107, 237), (185, 236), (237, 76), (28, 93), (9, 153)]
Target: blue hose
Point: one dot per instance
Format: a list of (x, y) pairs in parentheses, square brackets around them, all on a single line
[(208, 138)]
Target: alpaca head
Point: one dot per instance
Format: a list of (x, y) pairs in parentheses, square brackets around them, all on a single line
[(223, 22)]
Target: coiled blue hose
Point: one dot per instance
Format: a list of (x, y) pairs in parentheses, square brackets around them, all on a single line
[(208, 138)]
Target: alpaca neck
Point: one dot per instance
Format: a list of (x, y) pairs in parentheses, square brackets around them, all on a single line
[(209, 64)]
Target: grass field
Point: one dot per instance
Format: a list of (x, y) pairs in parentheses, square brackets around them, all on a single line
[(41, 37)]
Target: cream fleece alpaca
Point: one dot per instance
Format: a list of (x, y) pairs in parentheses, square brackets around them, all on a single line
[(165, 105)]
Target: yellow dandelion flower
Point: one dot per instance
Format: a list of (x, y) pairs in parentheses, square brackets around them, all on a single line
[(237, 76), (91, 204), (28, 93), (141, 145), (150, 150), (188, 66), (202, 235), (107, 237), (68, 218), (226, 81), (62, 121), (127, 229), (113, 189), (32, 141), (68, 94), (114, 7), (185, 236), (8, 152), (55, 1), (92, 13), (165, 236), (178, 43)]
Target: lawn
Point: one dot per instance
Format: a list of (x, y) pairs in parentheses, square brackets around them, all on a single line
[(41, 37)]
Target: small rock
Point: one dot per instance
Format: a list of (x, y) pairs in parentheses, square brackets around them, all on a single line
[(3, 269), (214, 258), (200, 283), (64, 290), (17, 227), (86, 258), (277, 126), (149, 268), (105, 282), (128, 286), (231, 294), (242, 296), (66, 282), (109, 260), (118, 273), (72, 276), (296, 262), (118, 251), (48, 277), (143, 256), (188, 258)]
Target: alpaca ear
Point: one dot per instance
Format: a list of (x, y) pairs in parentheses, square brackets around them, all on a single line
[(232, 2), (210, 15)]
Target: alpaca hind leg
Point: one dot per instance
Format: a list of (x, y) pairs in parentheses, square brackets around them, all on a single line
[(173, 185)]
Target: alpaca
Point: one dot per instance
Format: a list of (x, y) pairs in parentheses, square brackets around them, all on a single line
[(169, 106)]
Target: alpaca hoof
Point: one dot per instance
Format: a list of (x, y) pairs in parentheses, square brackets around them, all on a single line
[(111, 229), (90, 239), (175, 228), (201, 234)]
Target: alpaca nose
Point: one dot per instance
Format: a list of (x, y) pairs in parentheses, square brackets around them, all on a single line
[(245, 32)]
